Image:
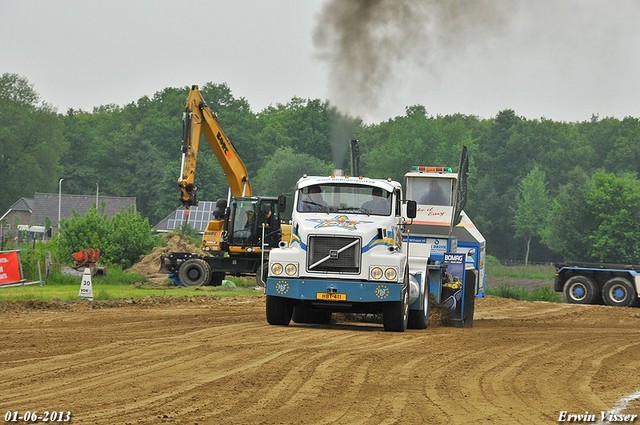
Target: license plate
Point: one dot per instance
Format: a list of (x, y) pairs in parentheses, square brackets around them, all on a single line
[(331, 296)]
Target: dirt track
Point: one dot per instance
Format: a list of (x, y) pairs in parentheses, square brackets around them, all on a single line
[(216, 361)]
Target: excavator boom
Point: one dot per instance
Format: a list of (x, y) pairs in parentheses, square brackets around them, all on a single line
[(199, 119)]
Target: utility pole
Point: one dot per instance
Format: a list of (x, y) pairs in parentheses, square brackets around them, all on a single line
[(59, 200)]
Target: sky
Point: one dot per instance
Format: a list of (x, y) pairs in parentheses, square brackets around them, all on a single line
[(564, 60)]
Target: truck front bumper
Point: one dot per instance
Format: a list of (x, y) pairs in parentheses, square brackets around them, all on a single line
[(331, 290)]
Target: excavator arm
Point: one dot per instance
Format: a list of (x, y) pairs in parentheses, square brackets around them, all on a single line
[(199, 119)]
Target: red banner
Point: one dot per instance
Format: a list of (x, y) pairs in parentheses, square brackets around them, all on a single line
[(10, 270)]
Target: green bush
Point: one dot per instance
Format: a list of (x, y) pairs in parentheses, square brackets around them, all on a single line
[(29, 259), (492, 261), (121, 240)]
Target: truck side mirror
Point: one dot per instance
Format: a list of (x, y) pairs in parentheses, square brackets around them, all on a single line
[(282, 203), (412, 208)]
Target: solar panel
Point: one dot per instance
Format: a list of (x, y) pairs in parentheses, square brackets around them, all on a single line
[(198, 216)]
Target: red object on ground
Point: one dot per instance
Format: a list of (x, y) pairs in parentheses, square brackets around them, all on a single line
[(10, 269), (86, 257)]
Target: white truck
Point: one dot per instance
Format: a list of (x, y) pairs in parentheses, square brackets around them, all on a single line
[(347, 255)]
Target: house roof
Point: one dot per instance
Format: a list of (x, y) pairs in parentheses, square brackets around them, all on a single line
[(199, 217), (46, 205), (22, 204)]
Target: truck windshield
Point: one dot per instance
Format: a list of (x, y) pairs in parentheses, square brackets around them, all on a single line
[(431, 190), (347, 198)]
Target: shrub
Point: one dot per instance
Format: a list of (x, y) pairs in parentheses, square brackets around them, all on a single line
[(121, 240), (29, 259)]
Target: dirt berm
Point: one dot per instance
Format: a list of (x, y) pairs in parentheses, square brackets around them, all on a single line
[(149, 265), (216, 361)]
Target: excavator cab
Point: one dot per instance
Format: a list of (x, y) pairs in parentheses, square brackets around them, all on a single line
[(250, 219)]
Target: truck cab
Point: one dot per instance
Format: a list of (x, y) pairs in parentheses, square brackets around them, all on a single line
[(345, 253), (249, 217)]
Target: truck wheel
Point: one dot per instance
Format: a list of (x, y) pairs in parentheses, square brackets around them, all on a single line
[(194, 272), (580, 290), (261, 274), (419, 319), (395, 314), (279, 311), (619, 292), (304, 315)]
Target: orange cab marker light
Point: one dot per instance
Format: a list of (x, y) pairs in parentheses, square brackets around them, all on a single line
[(430, 169)]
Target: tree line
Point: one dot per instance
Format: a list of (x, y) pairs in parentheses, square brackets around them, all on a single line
[(539, 190)]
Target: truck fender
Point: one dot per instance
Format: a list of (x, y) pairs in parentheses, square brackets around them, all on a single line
[(414, 289)]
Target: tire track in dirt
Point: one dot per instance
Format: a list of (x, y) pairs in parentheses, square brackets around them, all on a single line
[(217, 361)]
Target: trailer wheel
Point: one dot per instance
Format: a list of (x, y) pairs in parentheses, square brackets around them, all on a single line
[(305, 315), (419, 319), (395, 314), (279, 311), (194, 272), (580, 290), (619, 292)]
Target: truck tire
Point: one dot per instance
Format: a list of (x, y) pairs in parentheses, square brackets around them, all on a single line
[(305, 315), (395, 314), (580, 290), (279, 311), (261, 274), (194, 272), (419, 319), (619, 292)]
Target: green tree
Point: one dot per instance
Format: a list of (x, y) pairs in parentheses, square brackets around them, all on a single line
[(31, 141), (500, 164), (303, 125), (532, 208), (281, 172), (390, 149), (615, 201), (130, 236), (570, 220)]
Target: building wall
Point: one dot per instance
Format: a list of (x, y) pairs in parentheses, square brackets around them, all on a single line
[(13, 219)]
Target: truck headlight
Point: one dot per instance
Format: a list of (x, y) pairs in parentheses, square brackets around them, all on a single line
[(276, 269), (291, 269), (376, 273), (391, 273)]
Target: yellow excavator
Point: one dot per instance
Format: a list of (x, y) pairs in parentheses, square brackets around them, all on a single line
[(243, 228)]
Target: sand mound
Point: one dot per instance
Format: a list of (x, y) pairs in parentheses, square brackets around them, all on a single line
[(149, 265)]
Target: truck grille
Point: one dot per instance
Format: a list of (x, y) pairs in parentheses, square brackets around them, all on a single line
[(333, 254)]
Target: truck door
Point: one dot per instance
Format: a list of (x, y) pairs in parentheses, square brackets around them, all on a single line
[(269, 215), (243, 223)]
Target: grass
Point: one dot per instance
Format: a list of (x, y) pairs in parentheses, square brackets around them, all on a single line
[(119, 285), (533, 272), (495, 270), (122, 285), (544, 293)]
